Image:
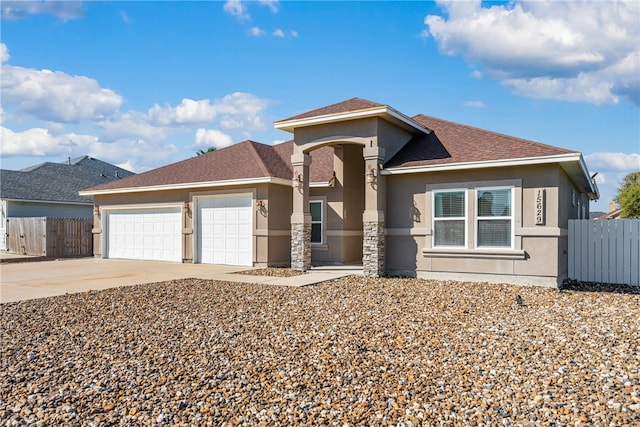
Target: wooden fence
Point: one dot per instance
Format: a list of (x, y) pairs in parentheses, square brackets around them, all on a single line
[(605, 251), (50, 237)]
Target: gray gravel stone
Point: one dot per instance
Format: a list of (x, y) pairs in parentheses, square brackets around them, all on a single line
[(355, 351)]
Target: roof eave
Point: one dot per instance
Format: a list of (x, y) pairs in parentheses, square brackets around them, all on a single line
[(188, 185), (383, 111), (578, 173), (52, 202)]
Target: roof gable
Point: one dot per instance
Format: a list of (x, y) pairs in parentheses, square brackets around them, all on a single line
[(353, 104)]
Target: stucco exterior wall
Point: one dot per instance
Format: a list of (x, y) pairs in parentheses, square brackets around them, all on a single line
[(538, 249), (279, 208), (343, 206), (271, 234)]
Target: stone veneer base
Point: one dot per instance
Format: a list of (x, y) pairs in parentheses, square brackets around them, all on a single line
[(373, 249), (301, 246)]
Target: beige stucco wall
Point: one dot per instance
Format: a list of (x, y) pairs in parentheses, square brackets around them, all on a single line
[(271, 226), (370, 132), (539, 250), (343, 204)]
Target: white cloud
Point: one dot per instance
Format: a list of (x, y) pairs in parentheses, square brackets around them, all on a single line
[(574, 51), (235, 111), (474, 104), (40, 142), (613, 161), (294, 33), (4, 53), (236, 8), (241, 110), (212, 138), (188, 112), (256, 32), (140, 154), (56, 96), (278, 33), (271, 4), (125, 17), (611, 168), (65, 10), (132, 125)]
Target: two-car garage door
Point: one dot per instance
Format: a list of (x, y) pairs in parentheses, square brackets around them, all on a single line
[(223, 232)]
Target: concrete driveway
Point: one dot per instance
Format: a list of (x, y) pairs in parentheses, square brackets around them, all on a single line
[(28, 280), (40, 279)]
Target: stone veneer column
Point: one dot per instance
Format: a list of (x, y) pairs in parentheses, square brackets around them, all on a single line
[(301, 216), (373, 246), (373, 216)]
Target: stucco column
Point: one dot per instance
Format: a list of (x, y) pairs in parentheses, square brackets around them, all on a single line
[(373, 216), (301, 216)]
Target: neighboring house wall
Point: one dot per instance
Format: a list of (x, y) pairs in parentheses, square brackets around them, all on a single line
[(20, 209), (51, 210), (3, 225)]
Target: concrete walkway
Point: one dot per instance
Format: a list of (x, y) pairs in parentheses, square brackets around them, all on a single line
[(28, 280)]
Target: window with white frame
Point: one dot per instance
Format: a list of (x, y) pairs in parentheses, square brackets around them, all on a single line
[(494, 217), (449, 218), (317, 221)]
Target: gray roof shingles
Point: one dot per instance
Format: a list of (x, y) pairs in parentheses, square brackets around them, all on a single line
[(58, 182)]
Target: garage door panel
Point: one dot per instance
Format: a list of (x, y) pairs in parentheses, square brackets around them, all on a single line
[(149, 234), (225, 230)]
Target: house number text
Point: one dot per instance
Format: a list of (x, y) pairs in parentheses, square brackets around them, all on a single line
[(540, 207)]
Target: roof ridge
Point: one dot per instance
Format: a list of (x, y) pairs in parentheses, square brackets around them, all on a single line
[(257, 156), (490, 132)]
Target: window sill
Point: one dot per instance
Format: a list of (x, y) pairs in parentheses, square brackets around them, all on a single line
[(319, 247), (474, 253)]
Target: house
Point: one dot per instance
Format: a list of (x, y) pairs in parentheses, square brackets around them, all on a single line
[(360, 183), (614, 212), (51, 189)]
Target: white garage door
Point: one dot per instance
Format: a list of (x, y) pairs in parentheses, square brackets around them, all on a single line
[(225, 230), (148, 234)]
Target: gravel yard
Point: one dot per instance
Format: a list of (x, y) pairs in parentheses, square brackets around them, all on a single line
[(355, 351)]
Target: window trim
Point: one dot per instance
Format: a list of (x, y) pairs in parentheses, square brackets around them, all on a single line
[(478, 218), (322, 221), (465, 218)]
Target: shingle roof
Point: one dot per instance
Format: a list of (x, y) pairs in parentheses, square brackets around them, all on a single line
[(448, 143), (452, 142), (58, 182), (353, 104), (244, 160)]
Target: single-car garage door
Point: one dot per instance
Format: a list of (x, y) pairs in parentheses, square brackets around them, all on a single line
[(147, 234), (225, 230)]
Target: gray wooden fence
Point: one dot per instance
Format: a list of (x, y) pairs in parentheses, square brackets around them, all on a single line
[(605, 251), (50, 237)]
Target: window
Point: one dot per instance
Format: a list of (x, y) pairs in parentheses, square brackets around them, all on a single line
[(449, 219), (494, 209), (315, 207)]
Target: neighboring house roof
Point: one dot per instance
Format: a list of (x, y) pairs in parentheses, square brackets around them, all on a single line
[(614, 214), (437, 143), (58, 182)]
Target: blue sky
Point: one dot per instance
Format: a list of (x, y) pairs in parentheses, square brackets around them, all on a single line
[(144, 84)]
